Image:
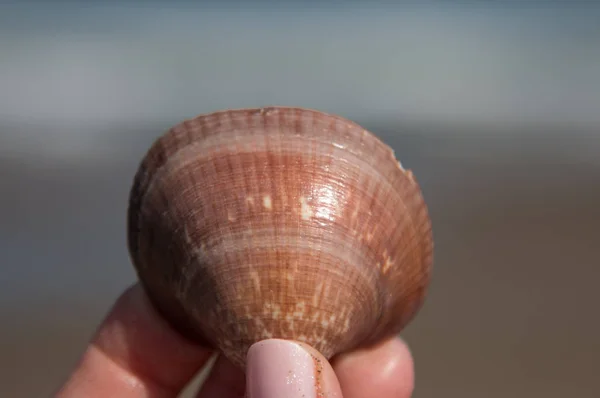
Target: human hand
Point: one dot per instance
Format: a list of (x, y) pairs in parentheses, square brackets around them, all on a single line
[(135, 353)]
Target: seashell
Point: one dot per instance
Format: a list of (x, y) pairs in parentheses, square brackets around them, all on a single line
[(279, 222)]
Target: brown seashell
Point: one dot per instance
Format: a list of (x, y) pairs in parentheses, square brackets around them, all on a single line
[(279, 223)]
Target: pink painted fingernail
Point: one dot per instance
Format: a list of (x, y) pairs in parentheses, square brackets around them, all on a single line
[(279, 368)]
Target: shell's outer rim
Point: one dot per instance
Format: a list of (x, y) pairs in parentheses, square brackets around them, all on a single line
[(274, 108), (426, 231)]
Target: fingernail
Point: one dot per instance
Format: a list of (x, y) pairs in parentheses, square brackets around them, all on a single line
[(279, 368)]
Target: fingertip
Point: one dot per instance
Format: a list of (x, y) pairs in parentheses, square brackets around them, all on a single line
[(384, 370), (131, 348), (139, 339), (283, 368)]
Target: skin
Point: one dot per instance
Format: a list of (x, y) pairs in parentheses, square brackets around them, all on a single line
[(117, 362)]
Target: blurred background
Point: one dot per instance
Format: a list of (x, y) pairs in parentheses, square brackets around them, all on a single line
[(495, 106)]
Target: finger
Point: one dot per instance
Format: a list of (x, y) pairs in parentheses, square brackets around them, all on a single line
[(135, 353), (280, 368), (224, 381), (386, 370)]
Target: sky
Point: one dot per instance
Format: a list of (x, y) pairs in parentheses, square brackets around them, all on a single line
[(70, 71)]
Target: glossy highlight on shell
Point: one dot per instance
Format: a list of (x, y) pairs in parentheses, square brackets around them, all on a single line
[(279, 223)]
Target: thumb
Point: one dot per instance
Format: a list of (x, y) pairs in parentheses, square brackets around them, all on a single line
[(281, 368)]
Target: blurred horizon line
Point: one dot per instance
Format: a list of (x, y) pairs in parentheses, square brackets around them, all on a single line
[(123, 63)]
